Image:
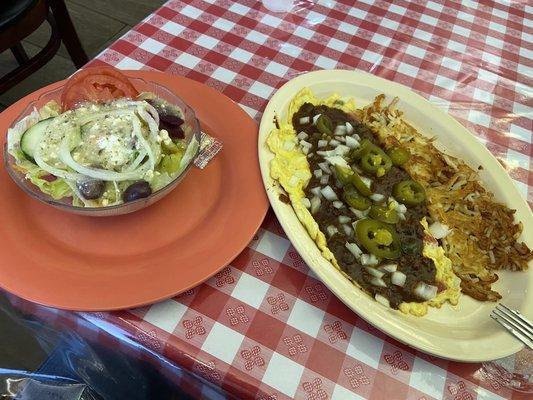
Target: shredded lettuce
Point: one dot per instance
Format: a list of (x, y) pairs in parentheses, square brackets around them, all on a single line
[(57, 189)]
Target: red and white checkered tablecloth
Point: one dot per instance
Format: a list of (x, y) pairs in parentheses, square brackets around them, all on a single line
[(265, 327)]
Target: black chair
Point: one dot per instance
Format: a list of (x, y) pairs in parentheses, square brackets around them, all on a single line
[(18, 19)]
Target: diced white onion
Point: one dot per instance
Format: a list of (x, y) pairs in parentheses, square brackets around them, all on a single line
[(316, 191), (401, 216), (389, 267), (315, 118), (337, 160), (310, 155), (347, 229), (377, 197), (438, 230), (315, 204), (338, 204), (317, 173), (305, 150), (354, 249), (382, 300), (377, 282), (324, 167), (328, 193), (349, 128), (325, 179), (367, 181), (398, 278), (357, 137), (340, 130), (369, 259), (334, 142), (375, 272), (331, 230), (306, 202), (288, 145), (303, 143), (360, 214), (326, 153), (401, 208), (425, 291), (304, 120), (341, 138), (342, 150), (343, 219), (322, 143), (303, 135), (351, 142)]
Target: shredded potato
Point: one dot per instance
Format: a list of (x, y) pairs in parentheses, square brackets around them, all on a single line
[(484, 235)]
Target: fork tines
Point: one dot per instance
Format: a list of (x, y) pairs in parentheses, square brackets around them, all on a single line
[(515, 323)]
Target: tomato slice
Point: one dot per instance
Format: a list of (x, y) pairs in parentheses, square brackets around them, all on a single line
[(96, 84)]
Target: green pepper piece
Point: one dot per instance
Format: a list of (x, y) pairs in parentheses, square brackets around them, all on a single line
[(409, 192), (384, 214), (378, 238), (398, 155), (360, 185), (348, 176), (354, 198), (324, 125), (344, 174), (375, 161), (358, 152)]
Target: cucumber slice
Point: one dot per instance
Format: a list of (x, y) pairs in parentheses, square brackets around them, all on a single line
[(32, 137)]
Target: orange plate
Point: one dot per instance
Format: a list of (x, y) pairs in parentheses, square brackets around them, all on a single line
[(82, 263)]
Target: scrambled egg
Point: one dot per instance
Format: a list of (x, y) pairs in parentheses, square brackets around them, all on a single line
[(291, 169)]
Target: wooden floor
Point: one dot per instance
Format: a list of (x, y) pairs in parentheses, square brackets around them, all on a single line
[(98, 23)]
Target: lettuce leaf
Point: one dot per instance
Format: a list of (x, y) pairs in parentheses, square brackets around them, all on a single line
[(57, 189)]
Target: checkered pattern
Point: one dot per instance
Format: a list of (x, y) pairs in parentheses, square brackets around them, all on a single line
[(265, 327)]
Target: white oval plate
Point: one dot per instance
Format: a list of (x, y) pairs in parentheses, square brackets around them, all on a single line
[(462, 333)]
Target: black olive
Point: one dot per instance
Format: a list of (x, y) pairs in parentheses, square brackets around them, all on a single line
[(137, 190), (92, 189), (168, 120), (174, 131)]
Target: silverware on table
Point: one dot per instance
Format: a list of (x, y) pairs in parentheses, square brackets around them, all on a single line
[(518, 325)]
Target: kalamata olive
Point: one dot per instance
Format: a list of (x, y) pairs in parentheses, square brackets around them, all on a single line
[(137, 190), (91, 189), (170, 119)]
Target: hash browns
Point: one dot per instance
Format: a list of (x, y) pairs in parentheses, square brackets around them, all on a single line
[(484, 235)]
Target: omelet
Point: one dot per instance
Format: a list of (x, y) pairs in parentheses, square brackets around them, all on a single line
[(290, 167)]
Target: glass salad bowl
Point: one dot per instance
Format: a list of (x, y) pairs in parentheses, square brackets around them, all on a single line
[(192, 137)]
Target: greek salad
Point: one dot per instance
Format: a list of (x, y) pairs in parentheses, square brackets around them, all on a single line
[(105, 144)]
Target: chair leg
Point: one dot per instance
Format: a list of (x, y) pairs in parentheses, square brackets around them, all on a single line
[(68, 33), (20, 54)]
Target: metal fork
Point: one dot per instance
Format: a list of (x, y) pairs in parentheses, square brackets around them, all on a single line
[(518, 325)]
